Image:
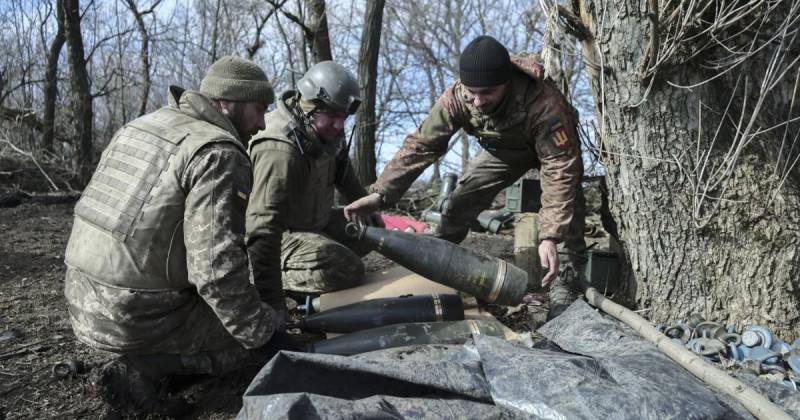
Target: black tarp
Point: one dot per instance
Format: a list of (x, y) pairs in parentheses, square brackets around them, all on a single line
[(590, 366)]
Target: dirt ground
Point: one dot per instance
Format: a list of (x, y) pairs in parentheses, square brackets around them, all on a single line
[(35, 332)]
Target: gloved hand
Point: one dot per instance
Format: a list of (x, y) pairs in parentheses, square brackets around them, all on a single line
[(281, 340)]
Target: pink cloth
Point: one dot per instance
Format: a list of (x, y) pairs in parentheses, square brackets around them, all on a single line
[(403, 224)]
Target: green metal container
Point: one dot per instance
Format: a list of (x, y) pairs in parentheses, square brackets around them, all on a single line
[(602, 271), (524, 196)]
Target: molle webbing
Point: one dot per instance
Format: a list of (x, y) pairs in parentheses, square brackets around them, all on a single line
[(128, 172)]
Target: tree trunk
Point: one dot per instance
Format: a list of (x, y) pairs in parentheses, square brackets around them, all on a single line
[(364, 157), (464, 139), (51, 80), (144, 55), (81, 94), (706, 227), (215, 32), (317, 24)]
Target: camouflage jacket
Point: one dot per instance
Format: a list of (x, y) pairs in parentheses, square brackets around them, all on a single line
[(534, 118), (292, 190), (157, 253)]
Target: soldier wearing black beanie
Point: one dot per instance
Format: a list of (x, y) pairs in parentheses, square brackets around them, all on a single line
[(522, 121)]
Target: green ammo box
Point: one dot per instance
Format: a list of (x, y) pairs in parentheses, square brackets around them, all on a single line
[(524, 196), (602, 270)]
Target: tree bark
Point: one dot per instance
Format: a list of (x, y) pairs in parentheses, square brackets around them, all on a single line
[(364, 158), (317, 24), (81, 94), (51, 80), (729, 252)]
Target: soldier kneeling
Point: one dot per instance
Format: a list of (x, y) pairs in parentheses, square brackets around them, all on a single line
[(156, 265), (295, 239)]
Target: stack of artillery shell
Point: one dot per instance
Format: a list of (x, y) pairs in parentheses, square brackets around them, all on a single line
[(452, 332), (487, 278)]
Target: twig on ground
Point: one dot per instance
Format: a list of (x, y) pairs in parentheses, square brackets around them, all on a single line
[(29, 155)]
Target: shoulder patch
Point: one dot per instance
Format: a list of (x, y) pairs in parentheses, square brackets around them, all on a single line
[(559, 136)]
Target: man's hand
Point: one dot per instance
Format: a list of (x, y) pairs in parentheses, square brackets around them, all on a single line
[(362, 210), (548, 257)]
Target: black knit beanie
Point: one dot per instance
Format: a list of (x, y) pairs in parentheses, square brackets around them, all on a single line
[(484, 62)]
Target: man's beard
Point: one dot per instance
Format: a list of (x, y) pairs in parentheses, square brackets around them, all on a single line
[(237, 119)]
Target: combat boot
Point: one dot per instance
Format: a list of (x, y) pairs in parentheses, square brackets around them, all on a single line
[(129, 386), (451, 229)]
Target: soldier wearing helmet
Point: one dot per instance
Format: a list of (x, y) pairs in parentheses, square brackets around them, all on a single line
[(295, 239)]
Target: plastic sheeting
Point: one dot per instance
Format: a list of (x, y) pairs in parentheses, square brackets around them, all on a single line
[(590, 366)]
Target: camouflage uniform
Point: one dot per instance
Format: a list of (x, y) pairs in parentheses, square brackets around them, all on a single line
[(292, 233), (534, 127), (156, 261)]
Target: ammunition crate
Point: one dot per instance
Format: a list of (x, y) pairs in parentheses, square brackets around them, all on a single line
[(603, 271), (524, 196)]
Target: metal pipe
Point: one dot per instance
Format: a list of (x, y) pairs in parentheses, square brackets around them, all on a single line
[(448, 185), (757, 404)]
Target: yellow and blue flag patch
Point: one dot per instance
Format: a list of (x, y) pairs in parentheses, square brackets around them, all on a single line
[(241, 192)]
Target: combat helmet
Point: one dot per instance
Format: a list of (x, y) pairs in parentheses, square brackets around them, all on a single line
[(331, 84)]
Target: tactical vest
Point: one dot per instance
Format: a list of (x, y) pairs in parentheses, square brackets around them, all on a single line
[(128, 229), (310, 207)]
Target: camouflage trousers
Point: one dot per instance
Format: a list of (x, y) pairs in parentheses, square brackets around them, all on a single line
[(321, 262), (213, 351), (202, 347), (216, 362), (490, 173), (106, 318)]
